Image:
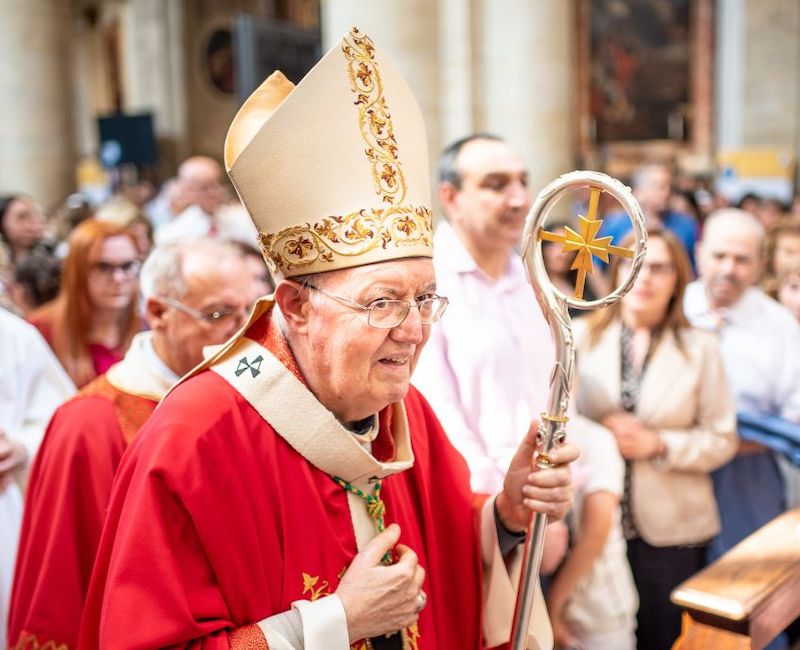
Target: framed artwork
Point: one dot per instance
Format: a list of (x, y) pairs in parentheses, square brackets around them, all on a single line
[(218, 56), (644, 81), (217, 60)]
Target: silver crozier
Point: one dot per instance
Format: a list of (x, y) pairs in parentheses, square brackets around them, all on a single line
[(586, 246)]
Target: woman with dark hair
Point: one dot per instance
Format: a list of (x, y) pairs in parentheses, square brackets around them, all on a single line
[(21, 224), (36, 281), (659, 386), (91, 322), (21, 228)]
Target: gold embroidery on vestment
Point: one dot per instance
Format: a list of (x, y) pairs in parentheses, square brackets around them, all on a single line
[(310, 587), (408, 635), (28, 641)]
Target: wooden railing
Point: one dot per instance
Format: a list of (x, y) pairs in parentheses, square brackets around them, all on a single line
[(744, 599)]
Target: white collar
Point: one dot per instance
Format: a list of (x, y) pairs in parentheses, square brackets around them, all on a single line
[(141, 372)]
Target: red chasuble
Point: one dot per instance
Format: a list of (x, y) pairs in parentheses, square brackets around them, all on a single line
[(67, 496), (216, 523)]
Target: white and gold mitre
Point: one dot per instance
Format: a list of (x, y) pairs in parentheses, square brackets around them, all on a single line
[(334, 171)]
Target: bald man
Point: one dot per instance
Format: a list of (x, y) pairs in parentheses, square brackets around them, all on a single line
[(760, 343), (200, 189)]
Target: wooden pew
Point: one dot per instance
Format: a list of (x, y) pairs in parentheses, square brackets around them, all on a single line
[(744, 599)]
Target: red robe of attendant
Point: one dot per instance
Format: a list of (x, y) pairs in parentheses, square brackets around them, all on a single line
[(65, 505), (216, 523)]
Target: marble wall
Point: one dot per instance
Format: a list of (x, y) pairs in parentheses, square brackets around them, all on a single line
[(771, 84), (757, 68)]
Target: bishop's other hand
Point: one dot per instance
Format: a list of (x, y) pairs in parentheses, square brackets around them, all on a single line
[(380, 599)]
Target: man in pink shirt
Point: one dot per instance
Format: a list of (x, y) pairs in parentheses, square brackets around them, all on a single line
[(487, 364), (486, 367)]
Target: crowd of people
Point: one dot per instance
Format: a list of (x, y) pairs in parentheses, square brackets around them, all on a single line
[(214, 521)]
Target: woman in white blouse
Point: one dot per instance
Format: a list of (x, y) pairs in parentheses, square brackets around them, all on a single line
[(659, 386)]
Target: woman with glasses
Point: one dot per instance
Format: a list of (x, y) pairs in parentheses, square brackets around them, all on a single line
[(91, 322), (658, 385)]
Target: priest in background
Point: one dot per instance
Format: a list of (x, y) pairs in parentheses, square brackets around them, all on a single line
[(294, 491), (197, 293)]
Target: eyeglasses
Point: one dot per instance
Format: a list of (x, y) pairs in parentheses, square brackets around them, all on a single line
[(386, 314), (659, 269), (128, 269), (213, 317)]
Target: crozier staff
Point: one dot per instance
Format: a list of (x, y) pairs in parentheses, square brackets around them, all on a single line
[(295, 491)]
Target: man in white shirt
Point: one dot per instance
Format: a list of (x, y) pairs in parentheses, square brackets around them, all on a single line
[(760, 343), (486, 368)]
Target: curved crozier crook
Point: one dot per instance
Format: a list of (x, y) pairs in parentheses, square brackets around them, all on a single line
[(586, 246)]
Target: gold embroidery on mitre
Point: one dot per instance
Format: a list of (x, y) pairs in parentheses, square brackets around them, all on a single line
[(374, 118), (351, 235)]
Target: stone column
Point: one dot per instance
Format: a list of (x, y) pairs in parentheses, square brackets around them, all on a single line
[(771, 73), (36, 131), (407, 32), (156, 72), (524, 79), (460, 113)]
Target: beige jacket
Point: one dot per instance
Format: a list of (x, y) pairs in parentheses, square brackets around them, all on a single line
[(685, 397)]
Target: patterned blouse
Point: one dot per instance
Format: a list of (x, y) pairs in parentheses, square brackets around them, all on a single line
[(630, 385)]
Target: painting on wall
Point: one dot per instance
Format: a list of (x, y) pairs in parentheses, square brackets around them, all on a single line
[(218, 61), (644, 77), (639, 76)]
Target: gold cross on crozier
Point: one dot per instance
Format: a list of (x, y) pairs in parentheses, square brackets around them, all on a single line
[(585, 243)]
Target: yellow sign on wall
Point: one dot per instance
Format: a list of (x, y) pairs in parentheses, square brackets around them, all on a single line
[(764, 171), (759, 162)]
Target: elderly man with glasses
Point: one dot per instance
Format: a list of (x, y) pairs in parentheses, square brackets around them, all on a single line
[(197, 293), (294, 491)]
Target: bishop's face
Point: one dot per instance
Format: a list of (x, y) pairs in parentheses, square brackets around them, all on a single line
[(355, 369)]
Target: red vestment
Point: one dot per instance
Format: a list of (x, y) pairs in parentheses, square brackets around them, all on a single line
[(65, 504), (216, 523)]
